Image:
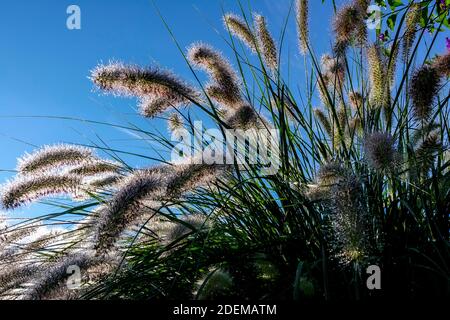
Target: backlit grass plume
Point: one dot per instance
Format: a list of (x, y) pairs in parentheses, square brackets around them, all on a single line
[(324, 121), (27, 189), (95, 167), (349, 26), (266, 43), (240, 29), (362, 179), (174, 122), (50, 157), (349, 222), (427, 149), (334, 71), (225, 84), (51, 282), (411, 21), (124, 207), (356, 101), (14, 276), (8, 236), (302, 24), (188, 177), (424, 87), (245, 117), (158, 89), (442, 65), (377, 76), (173, 231), (380, 151)]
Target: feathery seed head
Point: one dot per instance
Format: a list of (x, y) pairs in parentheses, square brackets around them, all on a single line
[(349, 221), (424, 87), (302, 25), (145, 83), (376, 75), (151, 106), (174, 122), (27, 189), (324, 121), (428, 148), (16, 274), (356, 101), (266, 43), (124, 207), (347, 23), (330, 173), (334, 68), (224, 79), (95, 167), (102, 181), (171, 231), (243, 118), (49, 157), (189, 177), (411, 21), (442, 65), (380, 151), (51, 283), (239, 28)]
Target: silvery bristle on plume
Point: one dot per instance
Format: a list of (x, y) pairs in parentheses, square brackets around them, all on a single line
[(49, 157), (26, 189), (174, 122), (51, 282), (303, 25), (266, 43), (95, 167), (225, 85), (157, 89), (380, 151), (239, 28), (425, 83), (124, 207)]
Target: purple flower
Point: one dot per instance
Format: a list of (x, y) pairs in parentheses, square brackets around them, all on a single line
[(447, 40), (381, 37), (443, 5)]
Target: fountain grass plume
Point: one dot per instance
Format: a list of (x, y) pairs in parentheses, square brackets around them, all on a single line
[(381, 152), (442, 65), (324, 121), (266, 43), (125, 206), (95, 167), (26, 189), (424, 87), (225, 85), (302, 25), (51, 284), (157, 89), (349, 221), (377, 76), (54, 156), (14, 275), (239, 28), (411, 21), (174, 122)]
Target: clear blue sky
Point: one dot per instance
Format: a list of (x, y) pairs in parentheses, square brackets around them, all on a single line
[(44, 66)]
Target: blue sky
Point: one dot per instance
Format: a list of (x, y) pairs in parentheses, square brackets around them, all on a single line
[(45, 66)]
